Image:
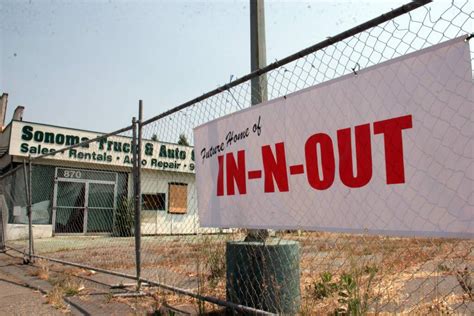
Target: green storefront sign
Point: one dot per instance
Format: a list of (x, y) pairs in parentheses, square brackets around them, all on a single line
[(31, 139)]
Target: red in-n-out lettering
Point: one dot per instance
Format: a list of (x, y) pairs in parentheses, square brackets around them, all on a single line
[(392, 133), (235, 174), (363, 156), (320, 178), (274, 168), (320, 160)]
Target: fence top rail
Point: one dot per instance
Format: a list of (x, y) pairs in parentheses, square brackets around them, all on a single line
[(302, 53), (125, 129)]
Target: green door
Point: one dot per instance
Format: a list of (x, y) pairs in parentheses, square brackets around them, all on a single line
[(100, 207), (70, 207)]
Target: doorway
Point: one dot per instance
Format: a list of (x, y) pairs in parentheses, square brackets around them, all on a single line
[(84, 201)]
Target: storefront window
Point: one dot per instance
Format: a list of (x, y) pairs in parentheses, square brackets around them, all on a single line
[(153, 202), (70, 207), (100, 207), (42, 193)]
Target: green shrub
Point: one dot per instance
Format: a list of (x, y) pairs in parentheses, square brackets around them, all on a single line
[(325, 287), (124, 218), (349, 294)]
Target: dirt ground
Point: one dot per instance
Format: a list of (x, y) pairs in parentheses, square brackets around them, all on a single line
[(338, 272), (16, 297)]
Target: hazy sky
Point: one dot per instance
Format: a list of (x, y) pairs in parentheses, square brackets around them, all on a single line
[(85, 64)]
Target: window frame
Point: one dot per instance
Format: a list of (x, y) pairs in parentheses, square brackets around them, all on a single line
[(156, 194)]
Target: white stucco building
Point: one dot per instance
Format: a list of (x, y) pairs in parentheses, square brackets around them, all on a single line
[(87, 190)]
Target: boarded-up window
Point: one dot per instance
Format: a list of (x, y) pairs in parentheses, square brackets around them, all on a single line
[(178, 198)]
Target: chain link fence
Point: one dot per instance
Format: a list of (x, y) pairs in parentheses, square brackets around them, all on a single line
[(13, 202), (92, 213)]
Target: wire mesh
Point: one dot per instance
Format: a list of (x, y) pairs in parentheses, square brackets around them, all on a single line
[(347, 273), (13, 204), (82, 200), (89, 205)]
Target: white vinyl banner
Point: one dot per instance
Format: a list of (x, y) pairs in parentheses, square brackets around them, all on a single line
[(387, 150)]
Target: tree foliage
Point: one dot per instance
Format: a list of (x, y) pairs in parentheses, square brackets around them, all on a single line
[(183, 140)]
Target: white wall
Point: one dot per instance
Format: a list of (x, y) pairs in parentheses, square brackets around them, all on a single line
[(20, 231), (162, 222)]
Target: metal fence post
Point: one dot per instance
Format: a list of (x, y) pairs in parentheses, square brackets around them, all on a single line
[(136, 139), (2, 219), (138, 193), (134, 177), (30, 189), (30, 212), (27, 176)]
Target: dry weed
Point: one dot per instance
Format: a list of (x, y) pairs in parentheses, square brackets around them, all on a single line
[(42, 269), (63, 286), (55, 297)]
